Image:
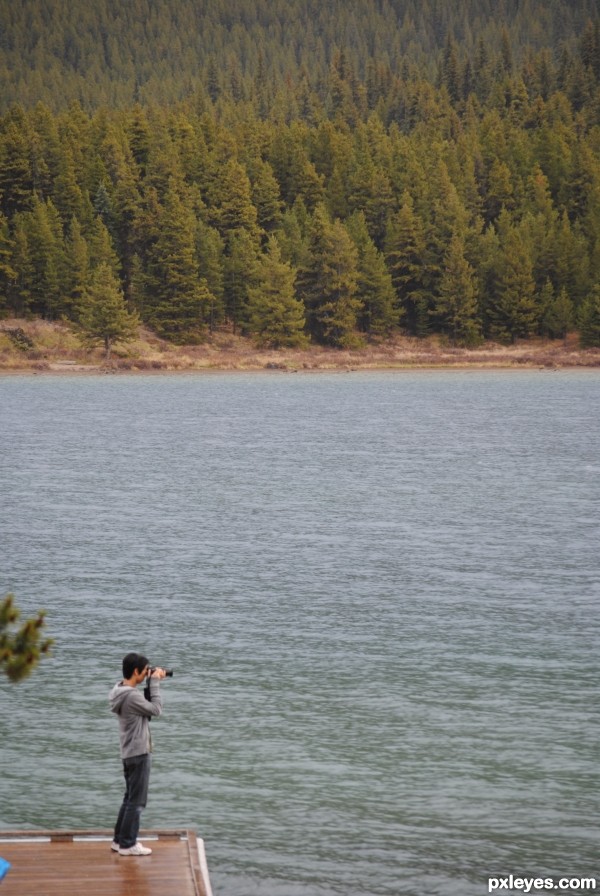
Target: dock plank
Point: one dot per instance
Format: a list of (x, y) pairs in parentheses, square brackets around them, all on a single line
[(71, 863)]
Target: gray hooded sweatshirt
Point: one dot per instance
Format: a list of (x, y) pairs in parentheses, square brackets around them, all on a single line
[(134, 713)]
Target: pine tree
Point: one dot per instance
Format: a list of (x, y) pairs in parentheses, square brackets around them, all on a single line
[(239, 271), (178, 301), (103, 207), (66, 193), (451, 75), (456, 302), (145, 233), (570, 263), (296, 173), (105, 317), (101, 247), (499, 192), (291, 235), (139, 133), (266, 197), (512, 311), (125, 202), (449, 218), (16, 173), (22, 265), (77, 272), (275, 315), (589, 320), (538, 227), (230, 201), (39, 261), (327, 283), (210, 250), (406, 258), (46, 149), (8, 274), (559, 316), (375, 291)]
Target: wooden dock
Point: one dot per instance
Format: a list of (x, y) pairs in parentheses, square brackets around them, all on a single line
[(74, 863)]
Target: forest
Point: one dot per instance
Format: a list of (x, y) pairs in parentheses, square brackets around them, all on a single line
[(302, 173)]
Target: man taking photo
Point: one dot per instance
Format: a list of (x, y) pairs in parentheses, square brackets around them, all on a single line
[(135, 711)]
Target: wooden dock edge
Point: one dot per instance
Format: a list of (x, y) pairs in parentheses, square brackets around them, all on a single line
[(195, 845), (203, 867)]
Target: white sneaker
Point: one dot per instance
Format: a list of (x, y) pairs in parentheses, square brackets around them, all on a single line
[(136, 850), (114, 846)]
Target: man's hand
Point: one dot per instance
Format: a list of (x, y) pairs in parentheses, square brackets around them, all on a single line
[(159, 673)]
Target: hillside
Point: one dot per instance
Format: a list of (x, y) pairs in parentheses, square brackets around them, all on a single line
[(301, 175), (160, 51)]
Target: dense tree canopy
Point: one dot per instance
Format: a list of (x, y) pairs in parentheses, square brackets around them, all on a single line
[(298, 170)]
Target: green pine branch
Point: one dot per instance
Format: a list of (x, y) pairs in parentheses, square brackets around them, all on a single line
[(21, 645)]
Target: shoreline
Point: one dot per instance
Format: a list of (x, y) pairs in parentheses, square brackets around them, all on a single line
[(42, 348), (84, 370)]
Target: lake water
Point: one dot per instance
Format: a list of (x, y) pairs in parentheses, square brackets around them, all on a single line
[(379, 592)]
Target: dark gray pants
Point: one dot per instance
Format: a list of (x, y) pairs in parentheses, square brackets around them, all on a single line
[(137, 778)]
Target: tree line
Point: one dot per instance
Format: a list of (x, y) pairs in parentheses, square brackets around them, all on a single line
[(160, 51), (334, 207)]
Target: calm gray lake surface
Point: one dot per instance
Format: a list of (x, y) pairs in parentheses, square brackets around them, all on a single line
[(379, 592)]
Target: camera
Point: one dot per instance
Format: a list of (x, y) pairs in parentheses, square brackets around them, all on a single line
[(168, 674)]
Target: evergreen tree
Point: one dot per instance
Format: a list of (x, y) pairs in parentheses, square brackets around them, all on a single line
[(375, 291), (570, 262), (8, 274), (499, 192), (538, 228), (266, 197), (121, 220), (239, 271), (77, 273), (451, 74), (230, 201), (67, 195), (327, 283), (40, 261), (101, 247), (405, 253), (456, 302), (512, 311), (16, 173), (589, 320), (291, 234), (105, 317), (295, 171), (178, 302), (210, 253), (275, 315), (449, 218), (103, 207), (558, 316), (46, 149), (145, 233), (22, 265), (140, 138)]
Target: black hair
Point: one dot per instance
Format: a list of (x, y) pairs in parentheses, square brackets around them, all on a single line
[(133, 662)]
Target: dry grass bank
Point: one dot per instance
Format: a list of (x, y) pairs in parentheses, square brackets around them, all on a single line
[(42, 347)]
